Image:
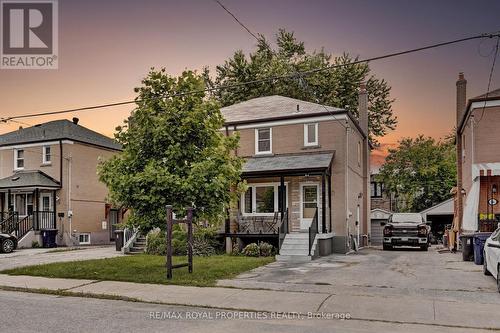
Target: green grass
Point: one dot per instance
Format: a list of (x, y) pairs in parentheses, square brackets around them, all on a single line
[(147, 269)]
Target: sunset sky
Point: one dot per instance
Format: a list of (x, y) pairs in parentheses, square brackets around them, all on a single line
[(106, 47)]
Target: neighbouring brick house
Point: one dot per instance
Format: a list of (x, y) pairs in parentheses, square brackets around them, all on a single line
[(478, 160), (306, 166), (48, 179)]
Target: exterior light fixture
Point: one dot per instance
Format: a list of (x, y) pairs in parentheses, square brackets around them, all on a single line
[(494, 189)]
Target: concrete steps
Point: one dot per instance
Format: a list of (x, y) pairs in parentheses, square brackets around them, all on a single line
[(295, 248), (139, 246)]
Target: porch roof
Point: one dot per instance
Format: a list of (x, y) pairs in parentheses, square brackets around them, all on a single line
[(28, 179), (288, 164)]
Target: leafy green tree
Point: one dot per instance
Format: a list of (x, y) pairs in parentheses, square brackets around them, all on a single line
[(420, 172), (336, 87), (174, 152)]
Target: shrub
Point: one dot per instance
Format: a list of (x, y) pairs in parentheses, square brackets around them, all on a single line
[(251, 250), (35, 244), (266, 249), (156, 243)]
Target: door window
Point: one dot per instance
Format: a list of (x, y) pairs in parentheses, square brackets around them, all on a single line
[(309, 201)]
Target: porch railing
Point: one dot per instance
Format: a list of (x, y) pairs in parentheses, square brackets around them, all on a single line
[(313, 231), (44, 220), (24, 226), (283, 229)]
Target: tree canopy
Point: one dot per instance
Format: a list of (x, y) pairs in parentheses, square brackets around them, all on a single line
[(336, 87), (173, 153), (420, 172)]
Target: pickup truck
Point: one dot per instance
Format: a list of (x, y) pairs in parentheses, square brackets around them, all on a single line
[(406, 229)]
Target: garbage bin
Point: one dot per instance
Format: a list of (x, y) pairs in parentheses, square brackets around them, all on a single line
[(119, 239), (479, 240), (445, 239), (49, 237), (467, 247)]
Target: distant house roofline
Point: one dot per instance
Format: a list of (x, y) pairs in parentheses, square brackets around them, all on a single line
[(492, 96)]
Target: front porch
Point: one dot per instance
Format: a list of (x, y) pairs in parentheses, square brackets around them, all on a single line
[(286, 195), (27, 202)]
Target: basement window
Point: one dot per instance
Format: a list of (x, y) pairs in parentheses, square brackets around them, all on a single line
[(84, 239)]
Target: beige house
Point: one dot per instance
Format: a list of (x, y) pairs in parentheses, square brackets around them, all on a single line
[(48, 180), (306, 166), (478, 160)]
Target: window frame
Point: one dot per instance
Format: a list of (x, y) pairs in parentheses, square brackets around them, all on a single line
[(44, 155), (276, 186), (16, 159), (270, 151), (306, 135), (378, 189), (84, 234)]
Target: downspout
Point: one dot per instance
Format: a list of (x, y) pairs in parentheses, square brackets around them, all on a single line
[(472, 166), (346, 184)]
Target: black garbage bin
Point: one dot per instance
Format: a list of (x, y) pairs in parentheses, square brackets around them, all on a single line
[(49, 237), (119, 239), (467, 247)]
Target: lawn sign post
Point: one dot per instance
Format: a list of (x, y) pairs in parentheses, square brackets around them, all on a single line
[(170, 227)]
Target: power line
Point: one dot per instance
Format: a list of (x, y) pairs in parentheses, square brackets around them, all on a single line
[(236, 19), (489, 78), (262, 80)]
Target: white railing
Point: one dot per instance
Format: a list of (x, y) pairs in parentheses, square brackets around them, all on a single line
[(129, 237)]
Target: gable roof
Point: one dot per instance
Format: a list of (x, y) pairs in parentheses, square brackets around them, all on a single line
[(22, 179), (274, 107), (58, 130), (491, 96)]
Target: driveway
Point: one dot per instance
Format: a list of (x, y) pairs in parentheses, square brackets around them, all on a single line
[(29, 257), (373, 272)]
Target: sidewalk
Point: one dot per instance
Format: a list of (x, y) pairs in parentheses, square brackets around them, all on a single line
[(402, 309)]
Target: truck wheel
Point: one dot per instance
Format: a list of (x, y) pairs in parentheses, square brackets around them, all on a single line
[(386, 247), (485, 266), (424, 247)]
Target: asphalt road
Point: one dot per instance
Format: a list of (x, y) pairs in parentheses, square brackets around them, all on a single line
[(26, 312)]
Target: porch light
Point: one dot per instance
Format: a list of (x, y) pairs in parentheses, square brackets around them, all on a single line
[(494, 189), (462, 191)]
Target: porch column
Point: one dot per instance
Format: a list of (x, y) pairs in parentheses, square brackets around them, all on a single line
[(9, 199), (282, 196), (54, 208), (323, 203), (329, 179), (35, 207)]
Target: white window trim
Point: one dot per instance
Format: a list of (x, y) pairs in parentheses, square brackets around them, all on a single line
[(270, 151), (306, 135), (15, 159), (44, 155), (301, 201), (51, 204), (88, 237), (254, 199)]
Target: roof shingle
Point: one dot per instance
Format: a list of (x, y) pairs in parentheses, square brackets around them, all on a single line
[(29, 179), (306, 161)]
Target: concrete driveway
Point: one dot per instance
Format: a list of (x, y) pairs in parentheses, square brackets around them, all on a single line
[(373, 272), (29, 257)]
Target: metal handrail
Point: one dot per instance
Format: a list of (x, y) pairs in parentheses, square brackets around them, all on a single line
[(9, 224), (24, 226), (313, 231), (283, 229), (129, 237)]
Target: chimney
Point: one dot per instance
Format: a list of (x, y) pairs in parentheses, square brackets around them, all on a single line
[(363, 107), (461, 96), (75, 120)]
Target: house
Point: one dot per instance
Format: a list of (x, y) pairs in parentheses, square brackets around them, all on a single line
[(306, 166), (48, 180), (382, 204), (478, 160)]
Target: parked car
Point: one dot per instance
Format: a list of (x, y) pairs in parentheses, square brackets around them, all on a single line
[(491, 262), (8, 243), (406, 229)]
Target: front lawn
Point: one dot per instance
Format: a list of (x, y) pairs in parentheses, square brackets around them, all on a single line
[(148, 269)]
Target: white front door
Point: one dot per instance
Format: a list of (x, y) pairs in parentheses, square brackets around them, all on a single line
[(309, 198)]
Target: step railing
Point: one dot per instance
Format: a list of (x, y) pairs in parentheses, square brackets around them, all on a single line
[(9, 223), (129, 237), (24, 226), (313, 231), (282, 229)]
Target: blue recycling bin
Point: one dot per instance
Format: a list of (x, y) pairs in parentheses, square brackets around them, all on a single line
[(49, 237), (479, 240)]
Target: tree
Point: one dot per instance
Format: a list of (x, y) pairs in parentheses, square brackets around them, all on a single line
[(336, 87), (174, 152), (420, 172)]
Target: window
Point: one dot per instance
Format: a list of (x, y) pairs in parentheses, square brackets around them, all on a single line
[(84, 238), (263, 140), (311, 134), (262, 199), (376, 189), (18, 159), (46, 156), (46, 203)]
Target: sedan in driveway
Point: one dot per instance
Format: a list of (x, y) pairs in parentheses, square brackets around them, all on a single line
[(8, 243), (491, 263)]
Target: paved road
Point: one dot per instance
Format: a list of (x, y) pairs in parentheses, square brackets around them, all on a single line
[(28, 257), (25, 312)]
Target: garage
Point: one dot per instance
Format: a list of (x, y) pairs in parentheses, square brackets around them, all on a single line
[(439, 216), (378, 216)]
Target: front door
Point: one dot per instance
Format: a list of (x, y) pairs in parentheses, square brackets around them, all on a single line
[(309, 198)]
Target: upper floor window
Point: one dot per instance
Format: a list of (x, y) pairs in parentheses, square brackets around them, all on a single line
[(18, 159), (263, 140), (46, 155), (311, 134), (376, 189)]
